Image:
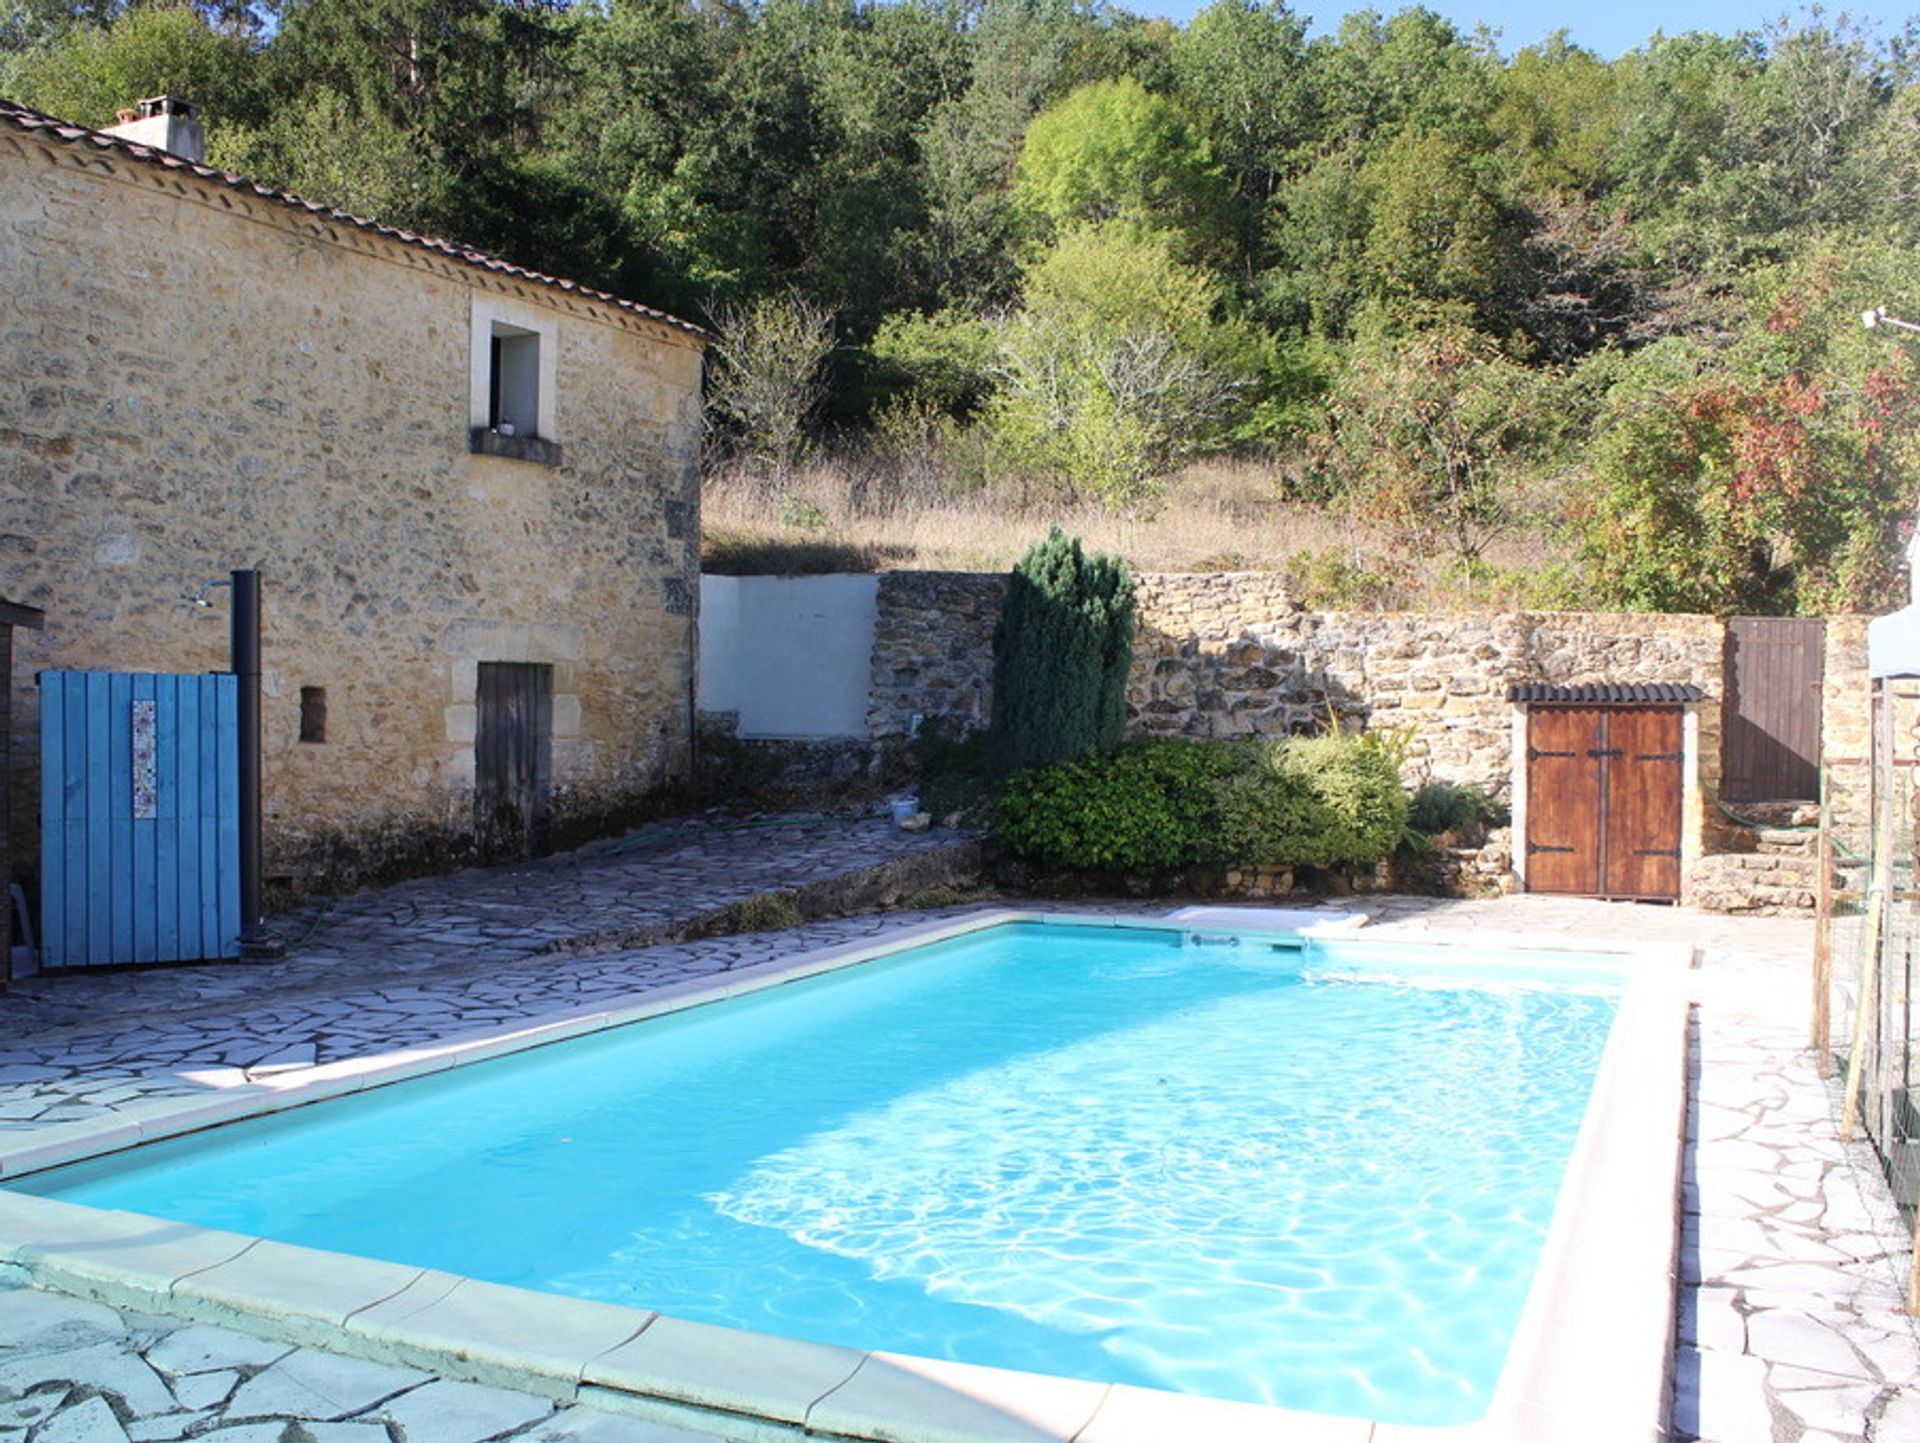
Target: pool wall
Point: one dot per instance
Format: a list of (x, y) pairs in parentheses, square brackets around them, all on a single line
[(1589, 1362)]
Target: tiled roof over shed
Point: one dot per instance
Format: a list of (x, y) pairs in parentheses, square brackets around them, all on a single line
[(20, 117), (1607, 694)]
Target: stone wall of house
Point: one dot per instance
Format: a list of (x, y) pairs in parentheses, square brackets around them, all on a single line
[(196, 379)]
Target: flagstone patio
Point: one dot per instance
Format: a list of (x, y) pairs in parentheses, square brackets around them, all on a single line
[(1794, 1256)]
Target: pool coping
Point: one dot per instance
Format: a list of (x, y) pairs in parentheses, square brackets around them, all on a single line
[(1589, 1362)]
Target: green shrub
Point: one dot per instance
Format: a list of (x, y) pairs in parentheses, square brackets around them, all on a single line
[(798, 511), (1151, 805), (1320, 801), (1331, 580), (1060, 657), (1363, 809), (1443, 807), (1264, 811), (1313, 801)]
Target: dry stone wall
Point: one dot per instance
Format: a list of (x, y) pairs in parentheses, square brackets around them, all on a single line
[(1846, 731), (1443, 676), (933, 650), (1231, 655), (195, 380)]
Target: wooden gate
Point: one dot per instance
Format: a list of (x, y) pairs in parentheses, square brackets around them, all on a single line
[(513, 759), (1604, 787), (1770, 749), (139, 817)]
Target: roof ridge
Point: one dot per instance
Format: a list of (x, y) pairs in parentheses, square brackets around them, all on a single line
[(35, 122)]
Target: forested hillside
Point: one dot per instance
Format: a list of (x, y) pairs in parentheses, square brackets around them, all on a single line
[(1040, 254)]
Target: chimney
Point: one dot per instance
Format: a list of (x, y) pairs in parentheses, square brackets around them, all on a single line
[(164, 122)]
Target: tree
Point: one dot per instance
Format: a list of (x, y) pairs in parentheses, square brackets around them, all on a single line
[(1115, 369), (1429, 436), (1061, 653), (1319, 237), (1558, 117), (1412, 71), (1583, 283), (1112, 152), (93, 71), (450, 85), (869, 206), (766, 381), (1020, 53), (1773, 476), (28, 26), (1242, 70), (1439, 232), (944, 362)]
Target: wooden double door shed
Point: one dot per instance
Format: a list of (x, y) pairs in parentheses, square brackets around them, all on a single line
[(1605, 780)]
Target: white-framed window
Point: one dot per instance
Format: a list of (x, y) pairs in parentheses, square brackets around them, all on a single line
[(515, 356), (513, 385)]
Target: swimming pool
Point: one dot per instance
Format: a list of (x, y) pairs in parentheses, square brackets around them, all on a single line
[(1211, 1163)]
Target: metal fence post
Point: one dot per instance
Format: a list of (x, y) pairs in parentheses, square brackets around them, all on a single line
[(256, 943)]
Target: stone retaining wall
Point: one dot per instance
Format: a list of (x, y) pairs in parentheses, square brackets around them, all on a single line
[(1445, 676), (933, 649), (1231, 655), (1846, 731)]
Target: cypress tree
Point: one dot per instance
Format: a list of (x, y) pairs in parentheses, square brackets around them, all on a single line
[(1060, 657)]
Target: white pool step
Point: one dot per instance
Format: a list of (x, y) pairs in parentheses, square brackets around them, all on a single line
[(1309, 922)]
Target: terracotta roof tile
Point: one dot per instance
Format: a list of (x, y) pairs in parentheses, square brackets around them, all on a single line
[(20, 117), (1607, 694)]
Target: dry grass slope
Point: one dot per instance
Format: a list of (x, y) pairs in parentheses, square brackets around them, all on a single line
[(1218, 516)]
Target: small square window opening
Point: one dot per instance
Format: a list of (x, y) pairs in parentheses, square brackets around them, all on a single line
[(313, 713)]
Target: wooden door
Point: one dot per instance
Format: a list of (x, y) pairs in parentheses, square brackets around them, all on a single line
[(1644, 753), (1604, 788), (513, 759), (1563, 799), (1770, 751)]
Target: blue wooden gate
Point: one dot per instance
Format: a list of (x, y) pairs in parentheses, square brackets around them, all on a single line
[(139, 817)]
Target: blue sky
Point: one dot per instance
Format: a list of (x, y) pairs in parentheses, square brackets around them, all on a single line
[(1609, 29)]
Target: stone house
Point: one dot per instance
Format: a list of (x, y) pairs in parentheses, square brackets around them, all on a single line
[(471, 491)]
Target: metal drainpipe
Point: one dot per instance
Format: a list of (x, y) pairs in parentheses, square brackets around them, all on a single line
[(256, 943)]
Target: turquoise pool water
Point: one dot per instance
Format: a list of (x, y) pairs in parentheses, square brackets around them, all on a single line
[(1196, 1162)]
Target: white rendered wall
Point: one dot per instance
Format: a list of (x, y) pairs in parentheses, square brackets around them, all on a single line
[(793, 655)]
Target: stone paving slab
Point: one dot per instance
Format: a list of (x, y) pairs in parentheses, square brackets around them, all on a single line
[(638, 888), (408, 966), (1794, 1256), (64, 1394)]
